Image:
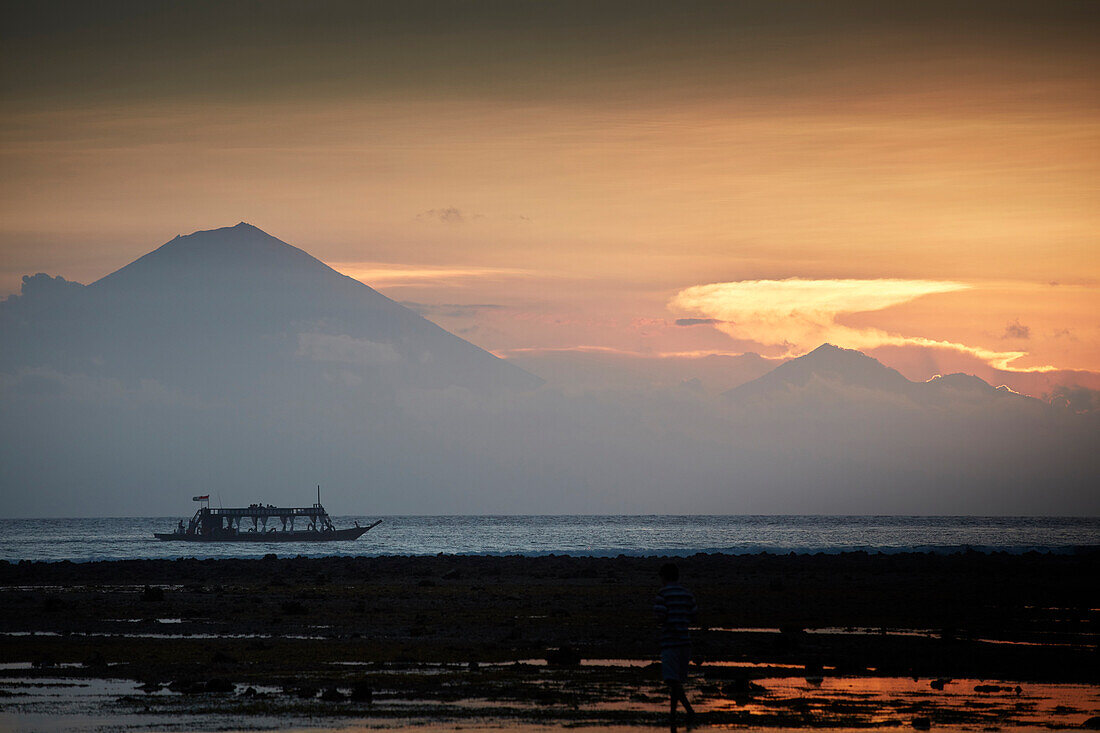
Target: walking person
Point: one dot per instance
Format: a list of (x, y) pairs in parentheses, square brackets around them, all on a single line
[(675, 608)]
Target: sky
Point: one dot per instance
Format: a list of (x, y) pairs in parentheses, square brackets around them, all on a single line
[(643, 184)]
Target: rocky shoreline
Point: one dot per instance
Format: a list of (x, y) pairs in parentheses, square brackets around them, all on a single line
[(436, 630)]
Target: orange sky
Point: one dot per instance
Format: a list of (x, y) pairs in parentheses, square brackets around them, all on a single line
[(567, 172)]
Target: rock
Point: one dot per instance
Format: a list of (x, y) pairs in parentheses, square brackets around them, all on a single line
[(939, 684), (217, 684), (306, 692), (362, 691), (1092, 723), (187, 687), (921, 723), (991, 688), (250, 692), (96, 661), (742, 688), (331, 694), (151, 687), (152, 594), (566, 656)]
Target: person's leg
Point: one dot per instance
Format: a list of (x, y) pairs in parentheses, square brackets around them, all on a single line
[(682, 696), (674, 666), (675, 692), (683, 658), (671, 705)]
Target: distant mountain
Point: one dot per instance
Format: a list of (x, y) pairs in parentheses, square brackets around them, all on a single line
[(826, 364), (237, 308), (228, 362), (955, 389), (840, 373)]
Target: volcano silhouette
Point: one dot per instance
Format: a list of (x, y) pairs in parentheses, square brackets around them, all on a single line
[(229, 309)]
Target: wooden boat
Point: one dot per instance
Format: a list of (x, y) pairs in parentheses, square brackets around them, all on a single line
[(232, 525)]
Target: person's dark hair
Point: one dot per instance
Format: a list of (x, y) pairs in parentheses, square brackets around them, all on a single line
[(669, 572)]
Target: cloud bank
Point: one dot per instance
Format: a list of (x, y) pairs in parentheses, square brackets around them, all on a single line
[(392, 275), (799, 314)]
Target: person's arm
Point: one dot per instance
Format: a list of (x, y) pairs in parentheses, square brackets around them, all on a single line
[(660, 609)]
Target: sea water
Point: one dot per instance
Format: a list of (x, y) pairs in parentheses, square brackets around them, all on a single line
[(81, 540)]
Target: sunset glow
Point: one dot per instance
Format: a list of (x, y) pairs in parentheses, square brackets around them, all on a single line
[(801, 314), (931, 193)]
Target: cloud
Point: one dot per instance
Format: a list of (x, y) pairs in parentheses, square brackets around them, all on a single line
[(44, 288), (697, 321), (449, 215), (1076, 399), (454, 310), (590, 349), (47, 383), (1016, 330), (802, 314), (395, 275), (345, 349)]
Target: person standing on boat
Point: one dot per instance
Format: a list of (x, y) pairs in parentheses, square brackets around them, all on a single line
[(674, 609)]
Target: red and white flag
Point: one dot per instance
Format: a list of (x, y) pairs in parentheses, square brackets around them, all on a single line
[(204, 497)]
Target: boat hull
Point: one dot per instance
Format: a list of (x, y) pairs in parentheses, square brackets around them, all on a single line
[(335, 535)]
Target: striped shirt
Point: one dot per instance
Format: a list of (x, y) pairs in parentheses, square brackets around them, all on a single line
[(675, 609)]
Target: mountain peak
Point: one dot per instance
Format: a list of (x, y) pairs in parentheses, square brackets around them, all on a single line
[(960, 381), (243, 251), (831, 364)]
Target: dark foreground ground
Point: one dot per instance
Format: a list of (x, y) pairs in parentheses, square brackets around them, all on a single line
[(827, 640)]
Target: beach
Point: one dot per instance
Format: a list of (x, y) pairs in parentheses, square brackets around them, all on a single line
[(842, 640)]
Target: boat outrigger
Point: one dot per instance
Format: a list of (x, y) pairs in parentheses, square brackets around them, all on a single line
[(224, 525)]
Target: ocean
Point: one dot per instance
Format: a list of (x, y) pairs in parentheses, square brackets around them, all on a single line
[(82, 540)]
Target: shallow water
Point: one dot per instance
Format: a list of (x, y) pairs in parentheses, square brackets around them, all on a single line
[(86, 705), (81, 540)]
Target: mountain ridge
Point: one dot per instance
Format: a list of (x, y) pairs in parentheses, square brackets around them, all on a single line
[(831, 368)]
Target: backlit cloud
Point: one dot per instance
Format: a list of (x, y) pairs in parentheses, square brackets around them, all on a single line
[(802, 314), (395, 275)]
